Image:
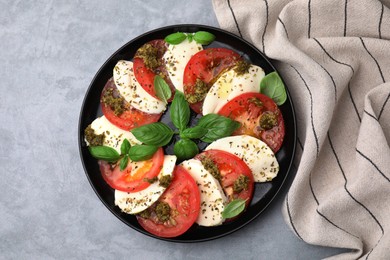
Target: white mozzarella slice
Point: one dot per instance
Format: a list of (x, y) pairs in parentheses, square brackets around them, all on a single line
[(255, 153), (135, 202), (176, 58), (132, 91), (113, 135), (230, 85), (212, 197)]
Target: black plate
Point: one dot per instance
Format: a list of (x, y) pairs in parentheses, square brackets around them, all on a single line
[(264, 192)]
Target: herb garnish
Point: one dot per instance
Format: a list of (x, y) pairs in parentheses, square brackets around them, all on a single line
[(200, 37), (272, 86), (234, 208)]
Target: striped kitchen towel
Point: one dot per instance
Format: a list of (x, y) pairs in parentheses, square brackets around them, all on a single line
[(334, 56)]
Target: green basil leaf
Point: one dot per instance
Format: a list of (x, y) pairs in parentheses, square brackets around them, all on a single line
[(195, 132), (123, 163), (157, 134), (190, 37), (203, 37), (272, 86), (175, 38), (125, 146), (104, 153), (180, 111), (142, 152), (185, 149), (162, 89), (234, 208), (217, 127)]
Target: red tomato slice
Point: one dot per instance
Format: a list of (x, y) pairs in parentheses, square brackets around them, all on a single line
[(246, 110), (145, 76), (132, 180), (206, 66), (231, 168), (131, 117), (183, 197)]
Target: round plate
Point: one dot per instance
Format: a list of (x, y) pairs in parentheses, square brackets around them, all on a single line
[(264, 192)]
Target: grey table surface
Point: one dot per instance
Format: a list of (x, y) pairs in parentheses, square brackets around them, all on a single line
[(49, 53)]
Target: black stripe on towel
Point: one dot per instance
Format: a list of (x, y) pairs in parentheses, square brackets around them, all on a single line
[(365, 111), (383, 107), (345, 185), (373, 164), (234, 17), (309, 29), (311, 109), (334, 83), (339, 62), (377, 64), (291, 221), (353, 102), (345, 64), (319, 213), (345, 17), (284, 26), (266, 24), (380, 23)]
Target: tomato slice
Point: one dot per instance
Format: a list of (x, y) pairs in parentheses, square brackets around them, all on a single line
[(232, 169), (133, 178), (145, 76), (183, 197), (131, 117), (206, 66), (252, 108)]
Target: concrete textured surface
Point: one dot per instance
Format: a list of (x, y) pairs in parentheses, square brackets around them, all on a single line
[(49, 53)]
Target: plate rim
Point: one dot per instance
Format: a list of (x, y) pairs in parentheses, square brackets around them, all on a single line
[(80, 136)]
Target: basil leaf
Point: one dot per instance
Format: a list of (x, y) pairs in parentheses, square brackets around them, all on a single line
[(272, 86), (157, 134), (175, 38), (180, 111), (195, 132), (185, 149), (142, 152), (217, 127), (162, 89), (104, 153), (125, 146), (203, 37), (123, 163), (234, 208), (190, 37)]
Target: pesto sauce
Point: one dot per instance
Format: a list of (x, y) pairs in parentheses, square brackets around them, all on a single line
[(211, 167), (163, 211), (200, 92), (257, 102), (242, 67), (152, 180), (165, 181), (149, 54), (144, 214), (115, 103), (92, 138), (268, 120), (241, 183)]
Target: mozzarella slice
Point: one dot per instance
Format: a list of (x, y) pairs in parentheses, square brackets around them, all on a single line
[(113, 135), (132, 91), (135, 202), (230, 85), (212, 197), (255, 153), (176, 58)]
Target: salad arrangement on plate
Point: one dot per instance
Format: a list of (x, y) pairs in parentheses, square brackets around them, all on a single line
[(237, 116)]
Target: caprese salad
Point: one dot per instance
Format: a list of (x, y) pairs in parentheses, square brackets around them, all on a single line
[(241, 122)]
